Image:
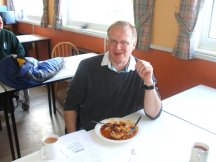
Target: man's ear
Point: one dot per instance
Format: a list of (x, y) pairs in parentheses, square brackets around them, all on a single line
[(106, 41), (134, 44), (106, 44)]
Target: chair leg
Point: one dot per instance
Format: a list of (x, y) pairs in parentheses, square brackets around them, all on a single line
[(25, 104)]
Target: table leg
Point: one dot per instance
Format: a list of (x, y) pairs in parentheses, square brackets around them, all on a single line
[(36, 51), (49, 98), (53, 97), (10, 98), (5, 106)]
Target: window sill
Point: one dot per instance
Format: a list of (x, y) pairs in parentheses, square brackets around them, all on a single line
[(205, 55), (199, 53), (85, 31), (91, 32), (29, 21)]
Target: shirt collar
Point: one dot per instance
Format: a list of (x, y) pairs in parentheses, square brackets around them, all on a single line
[(106, 62)]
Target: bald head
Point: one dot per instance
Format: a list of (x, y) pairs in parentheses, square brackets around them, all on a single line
[(124, 24)]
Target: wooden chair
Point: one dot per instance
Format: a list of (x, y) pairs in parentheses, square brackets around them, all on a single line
[(62, 49)]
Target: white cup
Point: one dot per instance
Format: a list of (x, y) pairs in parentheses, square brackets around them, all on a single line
[(199, 152), (50, 148)]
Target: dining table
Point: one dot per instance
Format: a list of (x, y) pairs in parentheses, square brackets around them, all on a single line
[(196, 105), (165, 139), (35, 38)]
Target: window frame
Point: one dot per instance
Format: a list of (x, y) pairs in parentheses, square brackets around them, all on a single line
[(84, 27), (205, 47)]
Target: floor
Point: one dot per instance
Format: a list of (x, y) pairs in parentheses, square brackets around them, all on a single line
[(32, 125)]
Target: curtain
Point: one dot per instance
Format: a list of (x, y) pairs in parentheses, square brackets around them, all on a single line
[(186, 18), (57, 19), (44, 19), (143, 15), (10, 5)]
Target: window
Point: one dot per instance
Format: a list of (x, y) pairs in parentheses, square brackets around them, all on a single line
[(95, 14), (207, 41), (29, 10)]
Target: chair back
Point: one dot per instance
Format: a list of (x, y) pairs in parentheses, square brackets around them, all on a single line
[(64, 49)]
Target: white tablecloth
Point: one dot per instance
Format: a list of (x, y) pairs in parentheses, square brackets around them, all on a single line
[(166, 139), (196, 105)]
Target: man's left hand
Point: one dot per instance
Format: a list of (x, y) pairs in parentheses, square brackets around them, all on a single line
[(145, 71)]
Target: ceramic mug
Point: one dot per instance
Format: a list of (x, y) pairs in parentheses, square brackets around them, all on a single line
[(199, 152), (50, 147)]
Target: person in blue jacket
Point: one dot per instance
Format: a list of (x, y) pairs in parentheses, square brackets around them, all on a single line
[(9, 44)]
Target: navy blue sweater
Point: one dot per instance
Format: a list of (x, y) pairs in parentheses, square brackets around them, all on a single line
[(100, 93)]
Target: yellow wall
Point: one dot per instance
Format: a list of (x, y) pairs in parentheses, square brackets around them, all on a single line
[(165, 27), (51, 10)]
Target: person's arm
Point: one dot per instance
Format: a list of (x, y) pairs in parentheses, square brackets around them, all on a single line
[(152, 102), (17, 46), (70, 118), (75, 97), (19, 49)]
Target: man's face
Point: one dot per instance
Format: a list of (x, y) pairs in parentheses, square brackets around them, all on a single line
[(120, 44), (1, 23)]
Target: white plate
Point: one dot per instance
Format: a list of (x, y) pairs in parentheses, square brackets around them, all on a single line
[(98, 133)]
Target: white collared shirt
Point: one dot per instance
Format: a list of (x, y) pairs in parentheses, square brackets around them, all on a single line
[(106, 62)]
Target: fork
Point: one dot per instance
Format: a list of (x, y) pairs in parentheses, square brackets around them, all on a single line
[(97, 122), (133, 128)]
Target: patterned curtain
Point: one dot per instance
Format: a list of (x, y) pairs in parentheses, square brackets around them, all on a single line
[(186, 18), (10, 5), (57, 19), (44, 19), (143, 14)]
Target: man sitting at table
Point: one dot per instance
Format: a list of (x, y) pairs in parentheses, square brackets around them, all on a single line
[(9, 44), (112, 85)]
